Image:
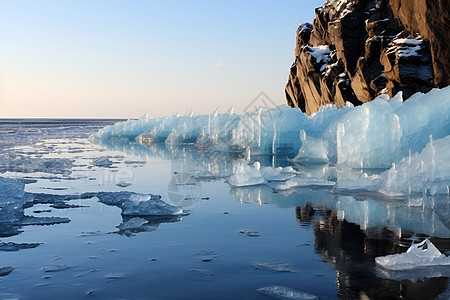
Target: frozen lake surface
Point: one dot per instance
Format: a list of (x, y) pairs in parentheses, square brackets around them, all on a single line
[(227, 242)]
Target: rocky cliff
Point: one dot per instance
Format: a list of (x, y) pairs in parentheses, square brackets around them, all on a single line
[(356, 50)]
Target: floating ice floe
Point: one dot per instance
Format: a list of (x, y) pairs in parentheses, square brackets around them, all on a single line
[(283, 292), (23, 164), (274, 267), (423, 254), (133, 204), (54, 268), (103, 161)]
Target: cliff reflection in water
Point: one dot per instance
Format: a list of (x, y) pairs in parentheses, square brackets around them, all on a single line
[(353, 251)]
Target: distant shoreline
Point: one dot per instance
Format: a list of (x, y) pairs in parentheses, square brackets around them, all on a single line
[(56, 120)]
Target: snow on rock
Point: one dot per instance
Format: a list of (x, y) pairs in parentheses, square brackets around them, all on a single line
[(283, 292), (418, 255)]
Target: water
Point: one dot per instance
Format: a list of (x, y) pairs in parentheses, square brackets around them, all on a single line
[(327, 241)]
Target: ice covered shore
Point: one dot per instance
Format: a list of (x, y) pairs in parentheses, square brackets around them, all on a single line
[(373, 135), (410, 138)]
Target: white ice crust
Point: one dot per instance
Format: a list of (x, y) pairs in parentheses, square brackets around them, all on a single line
[(423, 254), (410, 138)]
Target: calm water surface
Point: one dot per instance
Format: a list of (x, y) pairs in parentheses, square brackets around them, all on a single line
[(328, 241)]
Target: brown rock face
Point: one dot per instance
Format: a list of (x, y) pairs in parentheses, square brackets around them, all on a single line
[(356, 50)]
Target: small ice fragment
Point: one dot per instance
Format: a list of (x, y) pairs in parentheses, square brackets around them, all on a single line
[(249, 232), (276, 267), (54, 268), (114, 276), (283, 292), (123, 184), (418, 255), (5, 270), (151, 207), (63, 205), (245, 175), (102, 161), (10, 246)]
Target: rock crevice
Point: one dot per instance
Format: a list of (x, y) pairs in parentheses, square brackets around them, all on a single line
[(356, 50)]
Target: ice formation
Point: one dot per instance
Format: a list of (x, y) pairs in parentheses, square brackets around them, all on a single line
[(426, 172), (412, 135), (372, 135), (133, 204), (423, 254)]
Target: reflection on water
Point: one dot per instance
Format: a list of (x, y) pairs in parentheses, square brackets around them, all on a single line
[(132, 225), (353, 251), (350, 230)]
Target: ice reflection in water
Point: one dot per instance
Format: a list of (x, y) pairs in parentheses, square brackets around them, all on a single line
[(349, 230)]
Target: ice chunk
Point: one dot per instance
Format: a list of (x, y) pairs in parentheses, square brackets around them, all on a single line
[(103, 161), (418, 255), (10, 246), (245, 175), (54, 268), (312, 150), (275, 267), (283, 292), (118, 198), (250, 233), (20, 163), (276, 174), (5, 270), (150, 208), (302, 182), (424, 172), (134, 204)]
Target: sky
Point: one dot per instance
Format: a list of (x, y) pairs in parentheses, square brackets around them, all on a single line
[(124, 59)]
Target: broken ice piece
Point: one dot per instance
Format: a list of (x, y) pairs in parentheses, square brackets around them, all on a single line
[(283, 292), (114, 276), (54, 268), (102, 161), (275, 267), (5, 270), (418, 255), (123, 184), (249, 232), (10, 246)]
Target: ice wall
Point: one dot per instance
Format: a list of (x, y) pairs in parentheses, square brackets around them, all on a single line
[(373, 135)]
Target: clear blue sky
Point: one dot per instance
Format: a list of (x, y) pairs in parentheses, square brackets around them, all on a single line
[(117, 58)]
